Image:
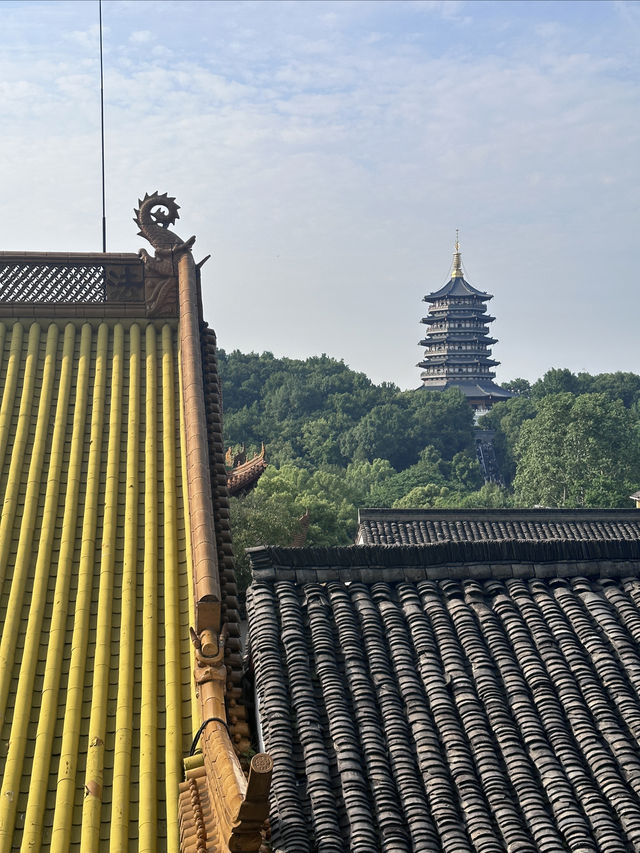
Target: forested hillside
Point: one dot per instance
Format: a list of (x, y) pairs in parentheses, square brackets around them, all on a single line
[(336, 441)]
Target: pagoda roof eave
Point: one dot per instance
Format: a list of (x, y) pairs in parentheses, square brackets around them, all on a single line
[(243, 477), (459, 335), (430, 319), (479, 389), (457, 287)]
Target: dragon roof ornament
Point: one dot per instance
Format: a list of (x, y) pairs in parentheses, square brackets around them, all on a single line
[(153, 216)]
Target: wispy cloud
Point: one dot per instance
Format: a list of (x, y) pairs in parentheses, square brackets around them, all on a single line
[(327, 152)]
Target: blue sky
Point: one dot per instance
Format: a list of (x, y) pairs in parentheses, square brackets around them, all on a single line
[(324, 154)]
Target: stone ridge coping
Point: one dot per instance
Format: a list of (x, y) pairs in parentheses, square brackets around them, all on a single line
[(460, 571), (466, 554), (531, 515), (84, 258)]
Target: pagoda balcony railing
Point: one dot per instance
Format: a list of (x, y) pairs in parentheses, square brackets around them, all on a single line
[(431, 352), (32, 278), (457, 325), (445, 343), (460, 375), (481, 310)]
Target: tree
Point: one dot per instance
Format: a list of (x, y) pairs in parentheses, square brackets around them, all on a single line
[(506, 420), (384, 432), (577, 451), (321, 438), (443, 419), (465, 472), (422, 497), (428, 471), (518, 386), (617, 386), (556, 381), (259, 519), (365, 478)]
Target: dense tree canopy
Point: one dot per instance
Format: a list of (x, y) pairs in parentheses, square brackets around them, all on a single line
[(578, 451), (336, 442)]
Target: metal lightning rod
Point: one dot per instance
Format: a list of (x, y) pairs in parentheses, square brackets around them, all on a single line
[(104, 205)]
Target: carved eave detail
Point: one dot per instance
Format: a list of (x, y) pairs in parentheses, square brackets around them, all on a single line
[(160, 283)]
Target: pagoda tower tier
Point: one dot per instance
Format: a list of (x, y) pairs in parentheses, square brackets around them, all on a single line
[(457, 341), (467, 342), (454, 316), (458, 363)]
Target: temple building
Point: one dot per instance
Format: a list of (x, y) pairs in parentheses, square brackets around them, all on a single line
[(457, 343), (242, 473), (122, 719)]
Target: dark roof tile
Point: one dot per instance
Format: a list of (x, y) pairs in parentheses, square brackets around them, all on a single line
[(425, 527), (452, 714)]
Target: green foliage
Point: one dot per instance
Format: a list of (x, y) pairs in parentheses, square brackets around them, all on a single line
[(269, 514), (319, 412), (518, 386), (617, 386), (577, 451), (336, 441), (301, 409), (556, 381), (506, 420)]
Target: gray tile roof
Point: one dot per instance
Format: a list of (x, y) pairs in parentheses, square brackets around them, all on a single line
[(491, 712), (422, 527)]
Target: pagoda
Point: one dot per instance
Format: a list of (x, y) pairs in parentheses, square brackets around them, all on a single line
[(457, 343)]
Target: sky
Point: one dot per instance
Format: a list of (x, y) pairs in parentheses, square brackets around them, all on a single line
[(324, 154)]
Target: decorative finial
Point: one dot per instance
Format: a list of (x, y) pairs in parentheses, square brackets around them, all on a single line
[(153, 216), (457, 260)]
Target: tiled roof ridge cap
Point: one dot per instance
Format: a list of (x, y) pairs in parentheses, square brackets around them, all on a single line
[(538, 513), (463, 572), (441, 553)]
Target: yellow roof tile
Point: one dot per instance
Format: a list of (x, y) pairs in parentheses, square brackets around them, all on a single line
[(114, 540), (95, 671)]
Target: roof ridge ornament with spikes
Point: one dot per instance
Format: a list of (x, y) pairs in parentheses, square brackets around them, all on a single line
[(156, 212), (153, 216)]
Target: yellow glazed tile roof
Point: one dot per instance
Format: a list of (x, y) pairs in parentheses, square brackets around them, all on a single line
[(96, 701), (114, 543)]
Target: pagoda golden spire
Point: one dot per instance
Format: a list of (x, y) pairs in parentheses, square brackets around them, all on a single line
[(457, 260)]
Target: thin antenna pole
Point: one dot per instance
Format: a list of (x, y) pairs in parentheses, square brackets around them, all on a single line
[(104, 204)]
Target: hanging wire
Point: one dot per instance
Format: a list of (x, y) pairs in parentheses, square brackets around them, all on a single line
[(104, 205)]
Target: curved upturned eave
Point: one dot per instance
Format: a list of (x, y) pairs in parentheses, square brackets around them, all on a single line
[(457, 287), (479, 318)]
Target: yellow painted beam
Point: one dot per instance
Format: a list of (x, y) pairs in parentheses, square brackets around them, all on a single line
[(173, 674), (148, 806), (67, 782), (19, 581), (92, 803), (121, 793)]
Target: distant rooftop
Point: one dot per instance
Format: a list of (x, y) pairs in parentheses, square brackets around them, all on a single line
[(428, 526)]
